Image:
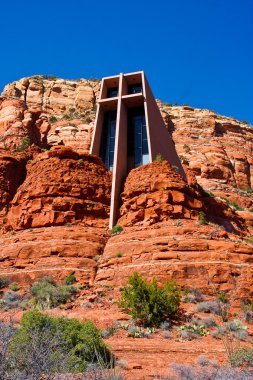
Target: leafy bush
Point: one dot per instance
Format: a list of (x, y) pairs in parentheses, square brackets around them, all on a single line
[(119, 254), (3, 282), (72, 344), (14, 286), (202, 218), (242, 356), (52, 119), (24, 145), (70, 279), (148, 303), (47, 294), (116, 230), (222, 297)]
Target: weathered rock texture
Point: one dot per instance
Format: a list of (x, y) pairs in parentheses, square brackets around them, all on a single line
[(160, 211), (218, 149), (38, 107), (51, 251), (12, 174), (54, 95), (164, 237), (62, 187)]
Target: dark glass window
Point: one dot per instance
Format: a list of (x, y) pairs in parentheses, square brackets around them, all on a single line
[(134, 88), (108, 139), (112, 92), (137, 149)]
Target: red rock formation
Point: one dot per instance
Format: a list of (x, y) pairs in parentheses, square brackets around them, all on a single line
[(12, 174), (54, 95), (164, 238), (218, 150), (156, 192), (62, 187), (51, 251)]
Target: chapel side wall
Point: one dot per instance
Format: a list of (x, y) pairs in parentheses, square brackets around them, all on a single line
[(120, 160), (160, 140), (97, 133)]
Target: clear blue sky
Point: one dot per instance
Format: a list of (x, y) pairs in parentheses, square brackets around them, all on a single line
[(196, 52)]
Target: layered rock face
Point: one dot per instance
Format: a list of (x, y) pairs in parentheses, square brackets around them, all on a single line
[(47, 195), (66, 189), (54, 95), (166, 236), (155, 192), (62, 187), (48, 112), (12, 174), (216, 148)]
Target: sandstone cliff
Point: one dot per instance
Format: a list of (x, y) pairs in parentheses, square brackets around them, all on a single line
[(42, 192)]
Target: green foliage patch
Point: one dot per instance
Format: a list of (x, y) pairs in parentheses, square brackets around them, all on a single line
[(75, 344), (47, 294), (147, 302)]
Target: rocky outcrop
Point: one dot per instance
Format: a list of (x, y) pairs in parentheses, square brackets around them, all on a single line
[(54, 95), (62, 187), (156, 192), (67, 189), (217, 149), (12, 174), (57, 221), (51, 251), (171, 231)]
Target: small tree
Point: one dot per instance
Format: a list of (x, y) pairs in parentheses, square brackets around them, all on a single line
[(48, 345), (147, 302)]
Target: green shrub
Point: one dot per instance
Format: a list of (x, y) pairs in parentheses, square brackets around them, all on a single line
[(70, 279), (14, 286), (222, 297), (47, 294), (53, 119), (159, 158), (241, 357), (3, 282), (116, 230), (24, 145), (75, 344), (143, 300), (202, 218), (119, 254)]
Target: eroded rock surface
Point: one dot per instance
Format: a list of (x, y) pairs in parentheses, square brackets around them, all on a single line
[(62, 187)]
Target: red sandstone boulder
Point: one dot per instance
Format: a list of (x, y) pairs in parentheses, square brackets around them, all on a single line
[(62, 187)]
